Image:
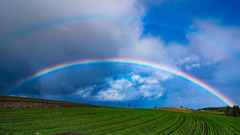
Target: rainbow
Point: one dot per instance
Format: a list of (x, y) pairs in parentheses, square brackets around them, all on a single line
[(168, 69)]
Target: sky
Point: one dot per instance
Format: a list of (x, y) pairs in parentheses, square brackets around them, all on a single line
[(198, 37)]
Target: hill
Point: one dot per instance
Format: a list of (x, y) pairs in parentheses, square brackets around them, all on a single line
[(12, 102)]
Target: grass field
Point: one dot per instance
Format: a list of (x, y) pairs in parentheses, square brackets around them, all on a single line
[(95, 120)]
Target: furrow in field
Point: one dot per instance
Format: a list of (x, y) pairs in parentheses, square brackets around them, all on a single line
[(29, 117), (46, 123), (232, 128), (198, 129), (186, 126), (125, 124), (140, 126), (154, 127), (193, 127), (169, 125), (113, 121), (90, 128), (175, 127), (49, 126)]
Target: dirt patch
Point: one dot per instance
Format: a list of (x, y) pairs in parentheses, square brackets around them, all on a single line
[(11, 102)]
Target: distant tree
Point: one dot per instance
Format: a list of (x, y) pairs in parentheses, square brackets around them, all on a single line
[(235, 111), (187, 108), (129, 105), (181, 106), (227, 111), (199, 110), (238, 109), (155, 106)]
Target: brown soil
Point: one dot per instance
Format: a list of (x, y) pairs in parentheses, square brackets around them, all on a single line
[(11, 102)]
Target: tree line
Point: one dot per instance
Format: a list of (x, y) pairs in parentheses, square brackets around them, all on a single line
[(232, 111)]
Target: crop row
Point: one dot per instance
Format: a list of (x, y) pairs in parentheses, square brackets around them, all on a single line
[(112, 121)]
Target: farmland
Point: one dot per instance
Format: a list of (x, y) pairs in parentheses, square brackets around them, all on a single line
[(20, 115), (95, 120)]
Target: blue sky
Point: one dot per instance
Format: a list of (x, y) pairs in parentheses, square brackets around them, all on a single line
[(171, 19), (199, 37)]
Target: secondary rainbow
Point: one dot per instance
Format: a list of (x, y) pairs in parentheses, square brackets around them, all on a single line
[(63, 21), (165, 68)]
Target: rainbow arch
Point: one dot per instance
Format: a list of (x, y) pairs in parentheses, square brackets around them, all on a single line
[(165, 68)]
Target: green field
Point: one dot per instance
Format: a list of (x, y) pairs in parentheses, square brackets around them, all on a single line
[(94, 120)]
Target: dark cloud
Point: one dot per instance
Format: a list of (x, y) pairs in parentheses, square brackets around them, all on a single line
[(37, 50)]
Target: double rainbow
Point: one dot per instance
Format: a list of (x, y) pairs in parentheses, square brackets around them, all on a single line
[(168, 69)]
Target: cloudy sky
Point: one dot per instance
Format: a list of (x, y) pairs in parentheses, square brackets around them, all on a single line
[(198, 37)]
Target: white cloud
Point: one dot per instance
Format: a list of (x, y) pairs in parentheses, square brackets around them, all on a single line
[(189, 67), (162, 76), (84, 93), (149, 49), (151, 81), (110, 95), (117, 90), (151, 91), (210, 43), (137, 78), (119, 84), (188, 59), (122, 89)]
